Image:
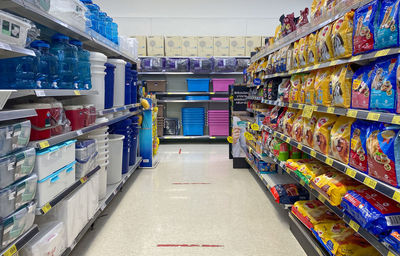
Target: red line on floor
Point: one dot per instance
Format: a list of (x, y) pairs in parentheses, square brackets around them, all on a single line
[(190, 245), (190, 183)]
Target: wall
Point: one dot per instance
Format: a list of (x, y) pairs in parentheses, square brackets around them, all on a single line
[(199, 18)]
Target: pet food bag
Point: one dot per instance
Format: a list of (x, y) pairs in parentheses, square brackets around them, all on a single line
[(309, 88), (342, 36), (283, 90), (394, 239), (322, 87), (289, 193), (302, 55), (313, 212), (386, 31), (308, 171), (288, 121), (296, 51), (322, 132), (340, 139), (372, 210), (361, 87), (296, 82), (294, 164), (358, 149), (364, 24), (312, 49), (298, 126), (382, 159), (341, 86), (383, 85), (281, 150), (308, 129), (324, 44), (317, 9), (294, 152)]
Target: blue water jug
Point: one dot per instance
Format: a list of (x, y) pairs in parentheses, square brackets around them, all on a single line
[(102, 23), (47, 75), (109, 22), (67, 61), (83, 66), (114, 29), (92, 14)]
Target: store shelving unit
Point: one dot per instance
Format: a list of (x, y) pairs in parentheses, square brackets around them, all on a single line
[(190, 73), (199, 138), (192, 94), (16, 114), (11, 51), (51, 93), (117, 109), (192, 101), (20, 242)]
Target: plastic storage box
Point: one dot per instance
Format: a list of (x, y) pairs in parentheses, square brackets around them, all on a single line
[(222, 84), (25, 190), (14, 136), (7, 201), (198, 85), (85, 149), (197, 98), (14, 30), (171, 126), (83, 167)]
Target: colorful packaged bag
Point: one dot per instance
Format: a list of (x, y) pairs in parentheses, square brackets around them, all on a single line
[(302, 56), (323, 93), (309, 88), (372, 210), (361, 87), (317, 9), (313, 212), (298, 126), (383, 160), (340, 139), (329, 7), (294, 153), (279, 127), (341, 86), (364, 24), (308, 171), (322, 132), (312, 49), (308, 130), (294, 164), (296, 82), (288, 121), (302, 94), (342, 36), (393, 239), (281, 150), (289, 193), (324, 44), (296, 51), (383, 86), (386, 31), (358, 149)]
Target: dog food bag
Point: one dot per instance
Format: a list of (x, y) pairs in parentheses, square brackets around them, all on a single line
[(341, 86), (324, 44), (309, 88), (358, 148), (283, 91), (298, 127), (279, 122), (317, 9), (322, 132), (312, 49), (364, 23), (329, 7), (372, 210), (308, 171), (288, 120), (386, 31), (361, 87), (382, 159), (383, 86), (289, 193), (296, 85), (294, 152), (281, 150), (296, 50), (322, 87), (313, 212), (394, 239), (340, 139), (308, 129), (302, 56), (342, 36)]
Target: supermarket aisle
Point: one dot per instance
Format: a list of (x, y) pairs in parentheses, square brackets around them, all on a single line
[(228, 212)]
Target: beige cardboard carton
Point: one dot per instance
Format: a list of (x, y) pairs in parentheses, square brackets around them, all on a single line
[(173, 46), (237, 46), (205, 46), (189, 46), (155, 46), (221, 46)]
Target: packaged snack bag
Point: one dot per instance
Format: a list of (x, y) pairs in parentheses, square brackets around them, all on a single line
[(322, 132), (358, 148), (308, 171), (294, 153), (329, 7), (342, 36), (302, 94), (296, 85), (274, 117), (289, 58), (302, 56), (341, 86), (361, 87), (317, 9), (323, 92), (324, 44), (289, 193), (393, 239), (280, 120), (312, 49), (298, 127), (272, 90), (313, 212), (288, 121), (308, 130), (386, 31), (296, 55), (383, 86), (372, 210), (364, 23), (382, 158), (309, 88), (340, 139), (334, 185)]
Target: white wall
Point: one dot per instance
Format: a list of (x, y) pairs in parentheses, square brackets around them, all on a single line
[(201, 17)]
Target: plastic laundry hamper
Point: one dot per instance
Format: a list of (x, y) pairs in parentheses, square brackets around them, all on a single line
[(119, 81), (114, 173)]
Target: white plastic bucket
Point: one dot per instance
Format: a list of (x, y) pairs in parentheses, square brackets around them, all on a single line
[(114, 174), (102, 143), (103, 180), (103, 159), (98, 84), (119, 81), (103, 149), (99, 131), (99, 137), (97, 59), (97, 68)]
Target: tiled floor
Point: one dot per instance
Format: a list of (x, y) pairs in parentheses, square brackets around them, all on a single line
[(226, 214)]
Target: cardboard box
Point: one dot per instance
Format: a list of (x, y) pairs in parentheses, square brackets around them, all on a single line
[(251, 43), (156, 85), (173, 46), (237, 46), (142, 45), (160, 112), (155, 46), (221, 46), (189, 46), (205, 46)]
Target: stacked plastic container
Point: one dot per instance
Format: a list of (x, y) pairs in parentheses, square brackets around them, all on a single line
[(198, 85), (109, 86), (134, 86), (221, 85), (119, 81), (86, 157), (128, 83), (218, 122), (97, 66), (124, 128), (193, 121)]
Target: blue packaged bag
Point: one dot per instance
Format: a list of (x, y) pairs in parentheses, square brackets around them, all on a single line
[(358, 149), (372, 210), (393, 239), (383, 86), (386, 30)]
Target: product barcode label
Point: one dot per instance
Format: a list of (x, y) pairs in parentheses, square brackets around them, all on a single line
[(354, 225), (393, 220)]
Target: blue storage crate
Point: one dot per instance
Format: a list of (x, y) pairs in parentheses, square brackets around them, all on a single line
[(193, 130), (186, 110), (197, 97), (198, 85)]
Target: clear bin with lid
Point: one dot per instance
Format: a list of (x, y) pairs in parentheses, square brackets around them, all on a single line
[(84, 167), (7, 201), (14, 136), (7, 171), (14, 29), (25, 190), (24, 162), (85, 149)]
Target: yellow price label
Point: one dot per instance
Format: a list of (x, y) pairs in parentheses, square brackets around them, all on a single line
[(76, 92), (356, 58), (231, 98), (44, 144), (330, 110), (396, 196), (350, 172), (229, 139), (290, 105), (352, 113), (287, 170), (396, 120), (316, 66), (11, 251), (329, 161), (302, 182), (255, 127), (333, 63), (313, 153), (213, 138), (287, 139), (321, 198), (370, 182), (248, 136), (390, 253), (354, 225), (382, 53), (299, 146), (83, 180), (308, 111), (373, 116)]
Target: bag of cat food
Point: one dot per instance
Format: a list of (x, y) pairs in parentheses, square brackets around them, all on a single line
[(312, 49), (323, 92), (386, 31), (341, 86), (324, 44), (383, 85), (364, 24), (382, 157), (358, 150), (342, 36), (302, 56), (361, 87), (340, 139), (393, 239), (288, 121), (372, 210), (308, 129), (308, 171), (317, 9), (322, 132), (298, 127), (296, 82), (313, 212), (309, 88)]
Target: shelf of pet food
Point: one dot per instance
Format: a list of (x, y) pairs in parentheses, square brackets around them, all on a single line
[(192, 93), (190, 57), (30, 11), (12, 51), (251, 97), (192, 101), (51, 93), (48, 206), (190, 73), (112, 191), (16, 114), (20, 242), (369, 181), (253, 151), (73, 134), (314, 28), (117, 109), (180, 137)]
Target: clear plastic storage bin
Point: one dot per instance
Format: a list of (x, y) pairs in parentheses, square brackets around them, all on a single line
[(24, 162), (71, 12), (7, 171), (84, 167), (25, 190), (84, 149), (41, 4), (14, 29), (7, 201), (14, 136)]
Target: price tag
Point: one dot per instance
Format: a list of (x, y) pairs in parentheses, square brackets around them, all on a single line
[(213, 138), (83, 180), (11, 251), (255, 127), (313, 153), (287, 139), (44, 144), (356, 58), (329, 161), (390, 253), (354, 225), (46, 208), (382, 53), (248, 136), (330, 110), (308, 111), (316, 66), (370, 182), (40, 93), (299, 146), (396, 196), (76, 92), (229, 139), (352, 113), (373, 116), (321, 198), (350, 172), (333, 63), (396, 120), (79, 132)]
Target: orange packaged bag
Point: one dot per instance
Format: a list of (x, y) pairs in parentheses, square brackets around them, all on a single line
[(296, 82), (312, 49), (341, 81), (342, 36), (322, 87), (298, 126), (322, 132), (309, 89), (340, 139), (288, 120), (308, 129)]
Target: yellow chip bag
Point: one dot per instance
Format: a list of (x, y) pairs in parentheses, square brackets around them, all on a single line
[(296, 85), (341, 86), (308, 129), (312, 49), (322, 87), (342, 36), (324, 44), (322, 132), (340, 139), (302, 55), (309, 88), (313, 212), (288, 121), (298, 126)]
